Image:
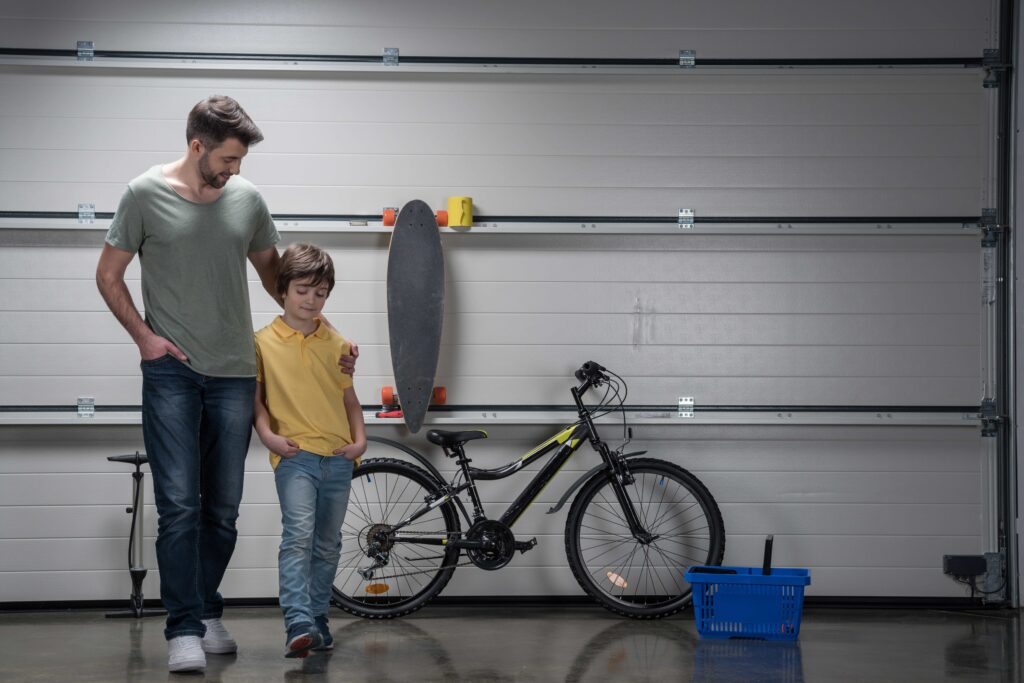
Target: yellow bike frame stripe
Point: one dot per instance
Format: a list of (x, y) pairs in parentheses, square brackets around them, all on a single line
[(560, 437)]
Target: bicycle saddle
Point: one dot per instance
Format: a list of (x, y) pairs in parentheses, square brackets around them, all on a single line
[(452, 439)]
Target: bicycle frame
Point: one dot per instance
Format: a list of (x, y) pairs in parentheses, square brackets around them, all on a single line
[(564, 444)]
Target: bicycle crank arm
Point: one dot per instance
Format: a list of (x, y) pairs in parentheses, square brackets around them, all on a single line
[(523, 546)]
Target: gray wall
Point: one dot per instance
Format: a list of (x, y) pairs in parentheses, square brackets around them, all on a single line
[(728, 319)]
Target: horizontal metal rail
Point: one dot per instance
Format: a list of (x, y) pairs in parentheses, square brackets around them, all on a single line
[(944, 416), (545, 224), (452, 63)]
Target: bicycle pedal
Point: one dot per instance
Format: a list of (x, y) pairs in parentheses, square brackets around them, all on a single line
[(523, 546)]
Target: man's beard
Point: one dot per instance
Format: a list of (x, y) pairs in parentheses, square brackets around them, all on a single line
[(207, 174)]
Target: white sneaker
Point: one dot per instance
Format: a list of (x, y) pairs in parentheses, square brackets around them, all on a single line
[(217, 640), (185, 653)]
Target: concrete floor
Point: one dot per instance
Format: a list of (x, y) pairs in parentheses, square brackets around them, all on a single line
[(504, 644)]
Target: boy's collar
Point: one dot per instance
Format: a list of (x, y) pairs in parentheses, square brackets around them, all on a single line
[(284, 330)]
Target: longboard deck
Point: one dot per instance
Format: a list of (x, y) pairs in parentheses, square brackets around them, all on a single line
[(415, 308)]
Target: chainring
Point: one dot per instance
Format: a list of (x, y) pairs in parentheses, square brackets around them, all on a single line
[(499, 544)]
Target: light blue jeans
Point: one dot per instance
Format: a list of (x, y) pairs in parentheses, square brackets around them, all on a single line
[(313, 491)]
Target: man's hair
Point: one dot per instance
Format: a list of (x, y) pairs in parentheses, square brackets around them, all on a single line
[(305, 261), (217, 118)]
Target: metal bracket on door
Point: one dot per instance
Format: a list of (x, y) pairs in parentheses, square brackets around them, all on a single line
[(85, 51), (686, 406), (990, 418), (86, 406), (86, 213)]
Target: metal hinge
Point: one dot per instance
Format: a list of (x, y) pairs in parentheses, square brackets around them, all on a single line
[(685, 219), (86, 213), (86, 406), (990, 228), (688, 58), (86, 51), (994, 68), (686, 406), (391, 56), (990, 418)]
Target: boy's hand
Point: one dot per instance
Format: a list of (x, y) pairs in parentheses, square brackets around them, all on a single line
[(352, 451), (276, 443), (348, 363)]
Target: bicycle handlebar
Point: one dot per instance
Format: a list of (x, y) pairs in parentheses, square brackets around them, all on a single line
[(590, 374)]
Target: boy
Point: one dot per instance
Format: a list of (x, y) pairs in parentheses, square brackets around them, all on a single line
[(307, 414)]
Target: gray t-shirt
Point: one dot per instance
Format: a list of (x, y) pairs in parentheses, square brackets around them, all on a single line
[(194, 284)]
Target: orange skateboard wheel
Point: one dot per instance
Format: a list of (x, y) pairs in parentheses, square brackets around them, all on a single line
[(390, 216), (442, 218), (387, 396), (440, 396)]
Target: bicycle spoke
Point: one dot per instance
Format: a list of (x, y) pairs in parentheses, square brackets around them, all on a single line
[(643, 578), (407, 566)]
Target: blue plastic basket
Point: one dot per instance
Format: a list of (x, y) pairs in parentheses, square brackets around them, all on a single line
[(748, 604)]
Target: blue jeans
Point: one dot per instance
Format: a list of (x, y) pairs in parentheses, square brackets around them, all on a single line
[(313, 490), (196, 430)]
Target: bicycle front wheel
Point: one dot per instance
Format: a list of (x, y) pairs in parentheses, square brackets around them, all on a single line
[(632, 577), (384, 572)]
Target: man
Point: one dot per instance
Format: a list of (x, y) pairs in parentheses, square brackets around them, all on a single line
[(194, 224)]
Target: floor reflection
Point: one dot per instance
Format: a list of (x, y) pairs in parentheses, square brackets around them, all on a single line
[(387, 651), (726, 661), (635, 651), (528, 645), (989, 648)]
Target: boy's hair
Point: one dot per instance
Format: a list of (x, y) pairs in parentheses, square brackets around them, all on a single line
[(217, 118), (302, 261)]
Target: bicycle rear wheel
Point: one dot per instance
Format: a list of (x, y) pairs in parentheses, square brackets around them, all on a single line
[(416, 565), (635, 579)]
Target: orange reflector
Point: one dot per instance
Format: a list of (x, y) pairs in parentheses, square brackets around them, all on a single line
[(377, 588), (617, 580)]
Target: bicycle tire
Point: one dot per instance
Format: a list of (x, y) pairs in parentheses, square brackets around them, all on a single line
[(620, 572), (385, 491)]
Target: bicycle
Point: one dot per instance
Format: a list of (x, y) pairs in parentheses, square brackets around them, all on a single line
[(633, 528)]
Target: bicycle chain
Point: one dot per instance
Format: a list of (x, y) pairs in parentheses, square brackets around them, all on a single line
[(427, 571)]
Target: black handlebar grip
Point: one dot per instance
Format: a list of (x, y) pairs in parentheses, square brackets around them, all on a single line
[(590, 370)]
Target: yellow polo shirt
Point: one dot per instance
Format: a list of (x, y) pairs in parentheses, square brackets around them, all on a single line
[(303, 386)]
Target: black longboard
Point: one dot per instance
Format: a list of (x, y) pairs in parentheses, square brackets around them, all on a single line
[(415, 308)]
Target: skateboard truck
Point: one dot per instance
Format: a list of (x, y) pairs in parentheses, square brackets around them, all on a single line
[(390, 406)]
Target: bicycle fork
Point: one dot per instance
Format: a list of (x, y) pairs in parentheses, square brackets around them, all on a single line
[(617, 471), (620, 478)]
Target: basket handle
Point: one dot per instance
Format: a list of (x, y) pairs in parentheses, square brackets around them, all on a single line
[(766, 568)]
